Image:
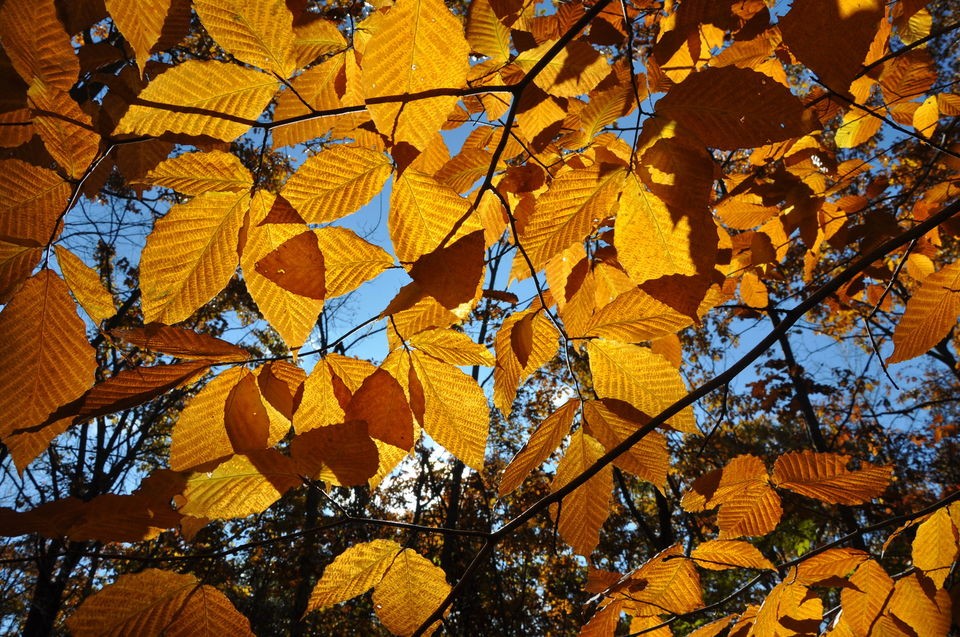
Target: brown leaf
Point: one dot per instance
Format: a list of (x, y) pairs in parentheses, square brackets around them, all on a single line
[(180, 343), (297, 266), (381, 403)]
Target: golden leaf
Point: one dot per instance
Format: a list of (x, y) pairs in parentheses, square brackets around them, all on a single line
[(924, 608), (381, 403), (667, 583), (353, 572), (280, 381), (184, 100), (748, 506), (825, 476), (572, 207), (730, 108), (412, 588), (244, 484), (422, 214), (720, 555), (86, 286), (245, 417), (935, 547), (155, 602), (292, 315), (199, 435), (37, 44), (930, 315), (581, 514), (336, 182), (486, 33), (31, 202), (635, 316), (258, 32), (50, 362), (455, 414), (637, 376), (317, 86), (315, 38), (925, 118), (452, 347), (197, 173), (575, 70), (349, 260), (789, 609), (135, 386), (191, 255), (509, 373), (296, 266), (648, 459), (320, 405), (544, 440), (66, 131), (832, 564), (344, 449), (16, 264), (141, 23), (856, 128), (181, 343), (419, 46)]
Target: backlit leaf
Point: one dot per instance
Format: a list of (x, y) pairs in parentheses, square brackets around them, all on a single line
[(155, 602), (412, 588), (637, 376), (37, 44), (315, 38), (296, 266), (184, 100), (180, 343), (581, 513), (825, 476), (16, 264), (509, 373), (191, 255), (922, 607), (353, 572), (544, 440), (66, 130), (197, 173), (199, 435), (930, 315), (720, 555), (419, 46), (141, 24), (647, 459), (132, 387), (486, 33), (349, 261), (667, 583), (635, 316), (575, 70), (31, 202), (336, 182), (85, 285), (381, 403), (320, 405), (452, 347), (935, 547), (832, 564), (422, 214), (789, 604), (258, 32), (345, 449)]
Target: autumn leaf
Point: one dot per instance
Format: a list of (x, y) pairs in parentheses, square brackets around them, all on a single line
[(85, 286), (412, 588), (197, 173), (930, 315), (31, 202), (935, 547), (581, 513), (297, 266), (719, 555), (140, 23), (667, 583), (544, 440), (180, 343), (336, 182), (258, 33), (353, 572), (825, 476), (42, 51)]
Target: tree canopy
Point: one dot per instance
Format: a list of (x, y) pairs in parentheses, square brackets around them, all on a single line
[(479, 317)]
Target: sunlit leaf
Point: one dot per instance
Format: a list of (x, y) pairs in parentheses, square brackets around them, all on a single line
[(31, 202), (141, 24), (825, 476), (296, 266), (180, 343), (353, 572), (648, 459), (930, 315), (667, 583), (37, 44), (544, 440), (935, 547), (509, 373), (452, 347), (197, 173), (86, 286), (921, 606), (336, 182), (581, 513), (720, 555), (412, 588), (258, 32)]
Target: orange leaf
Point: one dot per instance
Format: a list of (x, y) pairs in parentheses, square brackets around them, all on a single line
[(581, 513), (296, 266), (345, 448), (720, 555), (930, 315), (544, 440), (180, 343), (381, 403), (825, 476), (935, 547)]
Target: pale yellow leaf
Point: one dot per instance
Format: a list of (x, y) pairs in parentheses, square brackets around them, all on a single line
[(31, 202), (926, 117), (916, 27), (720, 555), (37, 43), (572, 207), (935, 547), (336, 182), (140, 22), (581, 514), (455, 413), (418, 46), (856, 128), (509, 373), (930, 315), (409, 592), (292, 315), (152, 603), (86, 286), (545, 439), (197, 173), (353, 572), (637, 376), (50, 362), (319, 406), (244, 484), (258, 32), (825, 476), (452, 347), (191, 255), (184, 100)]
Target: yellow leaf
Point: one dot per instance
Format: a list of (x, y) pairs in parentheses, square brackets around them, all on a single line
[(486, 33), (412, 588), (317, 86), (635, 316), (258, 32), (545, 439), (572, 207), (832, 564), (50, 362), (243, 485), (575, 70), (184, 100), (336, 182), (191, 255), (422, 214), (199, 435), (197, 173), (353, 572), (714, 628), (297, 266), (349, 260), (789, 609), (825, 476), (926, 117), (140, 22), (315, 38), (916, 27), (455, 414), (320, 405), (856, 128), (924, 608), (180, 343), (648, 459), (418, 46), (509, 373), (581, 513), (720, 555), (37, 44), (31, 202), (155, 602), (639, 377), (930, 315), (16, 264), (292, 315), (935, 547), (86, 286), (452, 347), (667, 583), (66, 131)]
